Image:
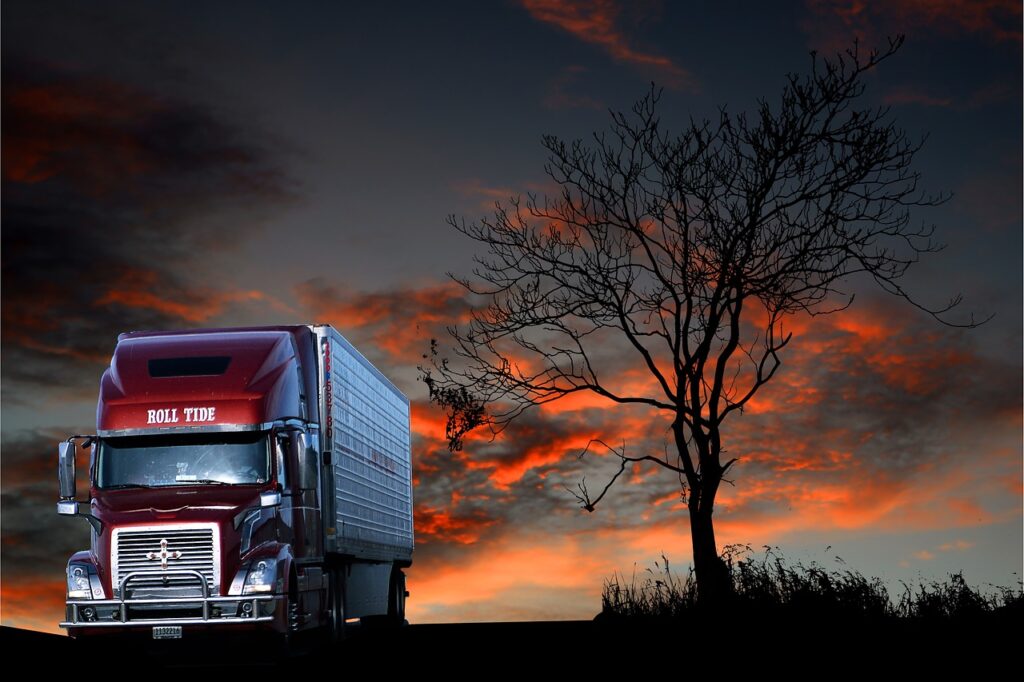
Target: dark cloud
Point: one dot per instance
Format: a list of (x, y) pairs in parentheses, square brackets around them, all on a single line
[(833, 23), (112, 195), (36, 541)]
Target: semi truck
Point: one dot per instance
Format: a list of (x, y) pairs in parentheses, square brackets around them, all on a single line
[(247, 480)]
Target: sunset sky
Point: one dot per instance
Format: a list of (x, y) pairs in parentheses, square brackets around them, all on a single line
[(171, 165)]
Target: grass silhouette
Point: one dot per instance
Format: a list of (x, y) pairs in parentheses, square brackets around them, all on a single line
[(769, 586)]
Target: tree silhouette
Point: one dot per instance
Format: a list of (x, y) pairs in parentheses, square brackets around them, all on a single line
[(689, 250)]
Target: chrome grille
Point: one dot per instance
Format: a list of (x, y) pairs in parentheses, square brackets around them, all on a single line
[(140, 550)]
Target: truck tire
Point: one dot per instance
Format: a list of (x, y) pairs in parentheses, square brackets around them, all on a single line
[(396, 598), (336, 605)]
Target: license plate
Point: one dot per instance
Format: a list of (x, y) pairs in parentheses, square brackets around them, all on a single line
[(167, 632)]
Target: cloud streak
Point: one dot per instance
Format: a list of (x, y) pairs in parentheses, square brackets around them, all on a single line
[(598, 22)]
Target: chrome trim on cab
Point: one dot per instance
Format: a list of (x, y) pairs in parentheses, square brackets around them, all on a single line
[(205, 602), (131, 547), (172, 430), (203, 428)]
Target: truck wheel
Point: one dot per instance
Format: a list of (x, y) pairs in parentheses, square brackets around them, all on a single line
[(396, 598), (336, 603)]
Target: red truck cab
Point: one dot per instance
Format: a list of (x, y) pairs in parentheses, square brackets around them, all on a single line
[(240, 480)]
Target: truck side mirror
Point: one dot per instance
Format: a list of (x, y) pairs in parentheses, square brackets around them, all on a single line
[(305, 460), (66, 469)]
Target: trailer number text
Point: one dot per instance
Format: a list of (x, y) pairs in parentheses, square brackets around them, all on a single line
[(169, 415)]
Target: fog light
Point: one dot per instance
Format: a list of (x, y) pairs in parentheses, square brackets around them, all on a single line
[(246, 609), (89, 613)]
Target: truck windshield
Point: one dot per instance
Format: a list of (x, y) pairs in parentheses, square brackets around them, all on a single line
[(186, 459)]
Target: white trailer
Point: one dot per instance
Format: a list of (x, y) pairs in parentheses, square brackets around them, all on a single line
[(367, 440)]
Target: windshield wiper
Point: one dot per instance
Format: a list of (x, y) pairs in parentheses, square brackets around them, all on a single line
[(119, 486), (204, 481)]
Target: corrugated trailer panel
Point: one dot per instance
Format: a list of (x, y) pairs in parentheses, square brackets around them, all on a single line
[(370, 444)]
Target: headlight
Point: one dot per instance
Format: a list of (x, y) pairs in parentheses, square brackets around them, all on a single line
[(79, 586), (261, 577)]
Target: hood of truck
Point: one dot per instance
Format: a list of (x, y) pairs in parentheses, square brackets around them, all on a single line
[(200, 380), (153, 508)]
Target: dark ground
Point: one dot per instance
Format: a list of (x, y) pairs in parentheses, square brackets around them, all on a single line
[(563, 648)]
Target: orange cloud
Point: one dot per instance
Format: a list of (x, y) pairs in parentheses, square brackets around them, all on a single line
[(485, 583), (441, 525), (27, 326), (596, 22), (32, 604), (399, 322), (968, 509), (869, 348), (28, 341), (507, 471), (428, 421), (927, 500), (870, 338), (930, 555), (142, 289)]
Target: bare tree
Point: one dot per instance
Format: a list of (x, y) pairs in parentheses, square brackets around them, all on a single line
[(689, 250)]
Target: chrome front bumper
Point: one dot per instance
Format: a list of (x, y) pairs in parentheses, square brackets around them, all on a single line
[(113, 613)]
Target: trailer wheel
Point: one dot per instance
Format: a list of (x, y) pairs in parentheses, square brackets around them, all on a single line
[(336, 601), (396, 598)]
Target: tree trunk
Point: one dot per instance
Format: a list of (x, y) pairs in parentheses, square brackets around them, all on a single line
[(713, 583)]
